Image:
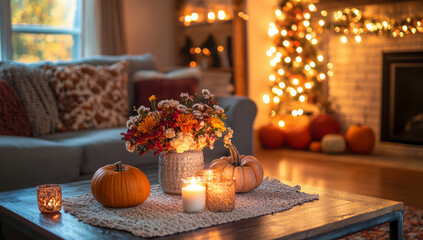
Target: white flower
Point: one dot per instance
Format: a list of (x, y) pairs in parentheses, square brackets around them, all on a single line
[(168, 103), (198, 106), (131, 122), (184, 95), (183, 142), (218, 109), (169, 133), (182, 108), (142, 109), (206, 94)]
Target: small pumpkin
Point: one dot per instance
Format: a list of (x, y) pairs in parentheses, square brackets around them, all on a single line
[(333, 143), (298, 137), (119, 185), (247, 170), (315, 146), (323, 124), (360, 139), (271, 136)]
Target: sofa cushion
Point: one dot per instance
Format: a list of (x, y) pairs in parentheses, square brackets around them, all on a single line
[(29, 162), (101, 147), (91, 97), (13, 118)]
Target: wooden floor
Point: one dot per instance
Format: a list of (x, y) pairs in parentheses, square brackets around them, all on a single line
[(376, 176)]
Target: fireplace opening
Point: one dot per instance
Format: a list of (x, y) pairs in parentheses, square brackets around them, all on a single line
[(402, 98)]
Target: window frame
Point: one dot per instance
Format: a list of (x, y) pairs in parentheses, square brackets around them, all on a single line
[(7, 29)]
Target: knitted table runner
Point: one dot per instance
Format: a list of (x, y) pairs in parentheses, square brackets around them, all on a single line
[(161, 214)]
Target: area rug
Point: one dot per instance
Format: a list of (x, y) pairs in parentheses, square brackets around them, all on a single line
[(162, 214), (413, 228)]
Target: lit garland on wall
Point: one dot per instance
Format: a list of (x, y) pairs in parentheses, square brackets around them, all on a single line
[(298, 67)]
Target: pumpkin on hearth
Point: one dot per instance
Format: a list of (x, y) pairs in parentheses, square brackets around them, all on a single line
[(323, 124), (247, 170), (333, 143), (360, 139), (271, 136), (119, 185), (315, 146), (298, 137)]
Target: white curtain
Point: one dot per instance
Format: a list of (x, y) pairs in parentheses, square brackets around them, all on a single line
[(89, 37)]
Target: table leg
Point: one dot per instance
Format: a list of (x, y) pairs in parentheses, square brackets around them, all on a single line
[(396, 228)]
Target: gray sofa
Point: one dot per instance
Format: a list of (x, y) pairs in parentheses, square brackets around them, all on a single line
[(70, 156)]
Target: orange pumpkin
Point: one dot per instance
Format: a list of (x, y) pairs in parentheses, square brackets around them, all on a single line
[(119, 185), (315, 146), (323, 124), (246, 170), (298, 138), (271, 136), (360, 139)]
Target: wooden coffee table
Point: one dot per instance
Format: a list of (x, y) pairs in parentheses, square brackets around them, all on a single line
[(334, 215)]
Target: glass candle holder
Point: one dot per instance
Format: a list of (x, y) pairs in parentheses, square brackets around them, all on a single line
[(49, 198), (193, 194), (209, 175), (220, 196)]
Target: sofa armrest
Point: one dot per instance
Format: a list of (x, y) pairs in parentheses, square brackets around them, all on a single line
[(241, 115)]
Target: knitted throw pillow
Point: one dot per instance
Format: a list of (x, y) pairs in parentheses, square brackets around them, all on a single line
[(91, 97), (13, 118)]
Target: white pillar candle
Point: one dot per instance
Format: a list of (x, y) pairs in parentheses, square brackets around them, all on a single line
[(193, 195)]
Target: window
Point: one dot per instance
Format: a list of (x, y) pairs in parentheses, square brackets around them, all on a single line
[(42, 29)]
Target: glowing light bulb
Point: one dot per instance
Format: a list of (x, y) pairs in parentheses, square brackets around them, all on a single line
[(194, 16), (299, 49), (319, 58), (278, 13), (307, 67), (266, 99), (404, 28), (278, 55), (192, 64), (294, 113), (293, 92), (279, 92), (295, 81), (272, 78), (312, 8), (281, 71), (284, 32), (298, 59), (274, 89), (269, 53), (211, 16), (322, 76), (300, 112), (221, 48), (324, 13), (302, 98), (312, 64), (294, 27), (321, 23), (330, 73), (197, 50), (308, 36), (286, 43), (287, 59), (282, 85), (357, 38), (281, 123), (188, 18), (221, 15), (276, 99), (344, 39), (307, 85), (273, 63), (306, 23), (330, 65), (307, 15), (272, 49), (314, 41), (300, 89)]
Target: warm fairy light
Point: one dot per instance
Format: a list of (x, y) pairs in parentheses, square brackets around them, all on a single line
[(330, 65), (278, 13), (221, 15), (286, 43), (306, 23), (194, 16), (273, 63), (287, 59), (182, 18), (272, 49), (308, 37), (278, 55), (300, 112), (321, 23), (312, 8), (293, 92), (404, 28), (211, 16), (284, 32), (294, 27), (197, 50), (294, 113), (298, 59), (274, 89), (281, 123), (273, 30), (301, 35), (357, 38), (276, 99), (269, 53), (299, 49), (279, 92), (302, 98), (300, 89), (281, 71), (295, 81), (206, 51), (314, 41), (192, 50), (307, 85), (282, 85), (324, 13), (192, 64), (272, 78), (322, 76), (307, 67), (307, 15), (220, 48), (312, 64), (266, 99), (344, 39), (319, 58), (187, 18), (330, 73), (272, 113)]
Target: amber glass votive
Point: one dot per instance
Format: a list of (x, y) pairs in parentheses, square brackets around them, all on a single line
[(49, 197), (208, 175), (220, 195)]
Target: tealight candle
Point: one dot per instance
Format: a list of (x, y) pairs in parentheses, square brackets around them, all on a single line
[(193, 195), (221, 195), (49, 198)]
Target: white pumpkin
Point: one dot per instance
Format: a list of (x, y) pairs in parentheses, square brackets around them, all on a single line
[(333, 143)]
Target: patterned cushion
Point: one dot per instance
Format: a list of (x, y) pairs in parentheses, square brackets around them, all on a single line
[(13, 118), (91, 97)]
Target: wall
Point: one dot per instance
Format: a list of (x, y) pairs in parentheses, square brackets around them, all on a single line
[(149, 27), (356, 85)]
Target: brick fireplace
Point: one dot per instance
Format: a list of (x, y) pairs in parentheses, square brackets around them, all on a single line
[(356, 86)]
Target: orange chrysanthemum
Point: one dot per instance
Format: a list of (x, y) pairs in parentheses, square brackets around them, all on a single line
[(186, 122), (147, 124)]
